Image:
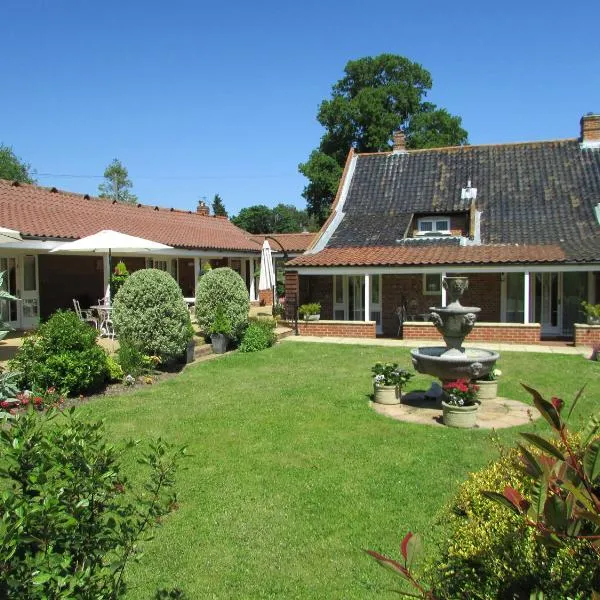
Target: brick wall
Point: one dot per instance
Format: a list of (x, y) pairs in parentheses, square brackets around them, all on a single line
[(265, 297), (484, 291), (515, 333), (587, 335), (360, 329)]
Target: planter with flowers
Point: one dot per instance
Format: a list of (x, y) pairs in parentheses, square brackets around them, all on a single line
[(311, 311), (388, 380), (460, 405), (488, 385)]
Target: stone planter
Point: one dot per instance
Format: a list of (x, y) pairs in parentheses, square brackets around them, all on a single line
[(219, 343), (189, 352), (387, 394), (488, 390), (312, 317), (463, 417)]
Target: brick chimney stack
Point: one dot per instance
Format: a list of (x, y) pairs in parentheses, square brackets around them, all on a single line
[(399, 141), (590, 131), (203, 209)]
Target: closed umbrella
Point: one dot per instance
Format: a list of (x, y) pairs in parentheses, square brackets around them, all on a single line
[(267, 272), (107, 242)]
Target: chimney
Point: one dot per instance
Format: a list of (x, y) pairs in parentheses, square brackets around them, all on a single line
[(399, 142), (203, 209), (590, 131)]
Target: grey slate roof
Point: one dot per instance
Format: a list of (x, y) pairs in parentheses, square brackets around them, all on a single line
[(529, 194)]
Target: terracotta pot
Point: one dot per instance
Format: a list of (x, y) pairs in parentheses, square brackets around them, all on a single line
[(488, 390), (463, 417), (387, 394)]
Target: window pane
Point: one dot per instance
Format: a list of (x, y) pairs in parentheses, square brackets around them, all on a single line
[(375, 289), (433, 283), (339, 289), (442, 226), (515, 302), (425, 226), (575, 291), (29, 278)]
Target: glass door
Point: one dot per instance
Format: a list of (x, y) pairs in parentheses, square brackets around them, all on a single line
[(548, 299), (574, 291), (376, 301), (356, 296), (30, 298)]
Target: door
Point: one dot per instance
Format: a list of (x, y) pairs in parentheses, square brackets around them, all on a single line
[(29, 293), (356, 296), (548, 301), (376, 302), (349, 298)]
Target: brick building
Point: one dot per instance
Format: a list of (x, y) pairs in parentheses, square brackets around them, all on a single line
[(521, 220)]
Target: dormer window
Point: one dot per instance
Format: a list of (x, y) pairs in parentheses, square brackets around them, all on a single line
[(434, 226)]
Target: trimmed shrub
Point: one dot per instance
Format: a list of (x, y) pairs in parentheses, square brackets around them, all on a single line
[(150, 315), (493, 554), (115, 371), (259, 335), (62, 354), (222, 287)]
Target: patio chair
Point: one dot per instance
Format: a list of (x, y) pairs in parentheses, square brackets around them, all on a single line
[(85, 315)]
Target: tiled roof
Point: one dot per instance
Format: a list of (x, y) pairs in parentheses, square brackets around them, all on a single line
[(431, 255), (528, 194), (291, 242), (40, 212)]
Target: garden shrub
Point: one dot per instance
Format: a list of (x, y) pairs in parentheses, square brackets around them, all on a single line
[(115, 371), (150, 314), (259, 335), (492, 553), (222, 287), (61, 354), (133, 362), (70, 520)]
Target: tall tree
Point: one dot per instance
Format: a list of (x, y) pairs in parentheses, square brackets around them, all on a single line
[(117, 184), (288, 219), (13, 168), (218, 207), (376, 96), (255, 219)]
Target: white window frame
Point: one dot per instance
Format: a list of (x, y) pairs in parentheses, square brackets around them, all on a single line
[(434, 221), (427, 292)]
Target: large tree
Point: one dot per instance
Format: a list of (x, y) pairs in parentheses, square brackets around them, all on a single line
[(284, 218), (376, 96), (218, 207), (255, 219), (13, 168), (117, 184)]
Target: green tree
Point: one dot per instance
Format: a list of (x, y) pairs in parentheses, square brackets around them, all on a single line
[(13, 168), (117, 184), (376, 96), (218, 207), (255, 219), (288, 219)]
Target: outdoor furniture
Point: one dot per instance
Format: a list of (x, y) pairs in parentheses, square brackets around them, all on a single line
[(85, 315), (105, 325)]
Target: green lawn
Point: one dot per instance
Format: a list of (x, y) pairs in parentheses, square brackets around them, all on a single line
[(293, 474)]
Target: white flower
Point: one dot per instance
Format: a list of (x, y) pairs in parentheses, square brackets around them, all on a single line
[(497, 372)]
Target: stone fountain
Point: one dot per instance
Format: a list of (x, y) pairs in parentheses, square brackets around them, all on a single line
[(454, 322)]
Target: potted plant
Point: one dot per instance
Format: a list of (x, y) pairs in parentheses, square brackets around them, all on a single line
[(310, 311), (388, 381), (488, 385), (220, 331), (460, 405), (592, 312)]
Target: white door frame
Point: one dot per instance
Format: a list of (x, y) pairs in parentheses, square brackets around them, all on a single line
[(547, 329), (345, 304)]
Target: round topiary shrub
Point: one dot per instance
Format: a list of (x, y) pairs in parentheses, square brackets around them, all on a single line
[(223, 288), (61, 354), (151, 315)]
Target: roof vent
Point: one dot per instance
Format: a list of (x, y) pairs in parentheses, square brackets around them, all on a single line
[(16, 183), (139, 206), (53, 190), (114, 201), (156, 208), (86, 197), (468, 193), (172, 209)]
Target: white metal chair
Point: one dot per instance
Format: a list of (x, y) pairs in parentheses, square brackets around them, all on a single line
[(85, 315), (106, 326)]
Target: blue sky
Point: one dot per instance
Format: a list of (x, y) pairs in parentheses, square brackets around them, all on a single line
[(197, 98)]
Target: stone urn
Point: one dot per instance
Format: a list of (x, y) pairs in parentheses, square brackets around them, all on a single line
[(387, 394), (462, 417), (488, 390)]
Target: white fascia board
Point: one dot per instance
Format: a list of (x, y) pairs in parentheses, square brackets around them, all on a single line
[(416, 270), (339, 211)]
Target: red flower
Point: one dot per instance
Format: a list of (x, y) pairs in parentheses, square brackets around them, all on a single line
[(37, 400), (558, 403), (4, 404), (24, 400)]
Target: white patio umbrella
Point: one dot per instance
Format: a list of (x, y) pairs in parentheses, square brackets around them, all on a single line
[(8, 236), (267, 272), (107, 242)]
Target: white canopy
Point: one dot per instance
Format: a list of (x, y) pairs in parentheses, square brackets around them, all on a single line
[(8, 236), (267, 272), (108, 241)]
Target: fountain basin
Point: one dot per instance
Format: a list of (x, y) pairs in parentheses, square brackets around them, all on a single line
[(470, 363)]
